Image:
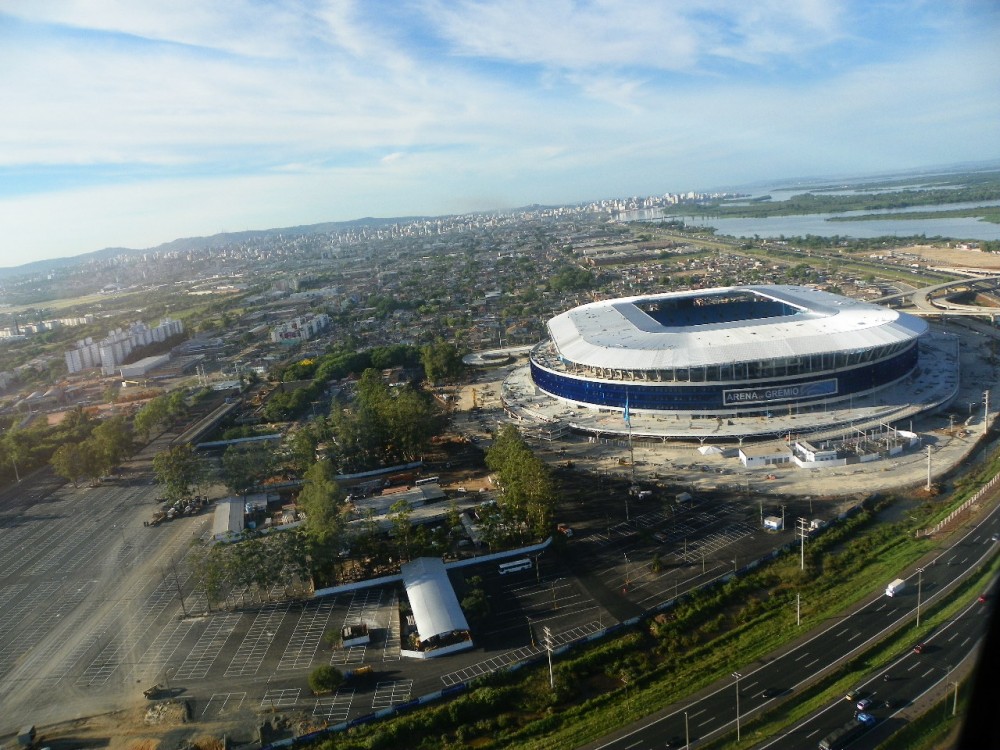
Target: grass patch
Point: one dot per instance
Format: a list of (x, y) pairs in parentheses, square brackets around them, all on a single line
[(668, 657)]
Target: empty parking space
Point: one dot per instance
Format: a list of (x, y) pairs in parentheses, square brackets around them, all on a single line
[(390, 693), (275, 699), (204, 653), (305, 640), (253, 648), (223, 704), (336, 708), (504, 660)]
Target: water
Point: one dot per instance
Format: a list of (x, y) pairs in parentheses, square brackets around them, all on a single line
[(964, 228)]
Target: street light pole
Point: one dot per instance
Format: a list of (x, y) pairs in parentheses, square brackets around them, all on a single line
[(687, 734), (737, 675), (920, 579), (627, 562)]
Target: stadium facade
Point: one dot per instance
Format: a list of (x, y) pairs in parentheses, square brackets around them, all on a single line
[(729, 351)]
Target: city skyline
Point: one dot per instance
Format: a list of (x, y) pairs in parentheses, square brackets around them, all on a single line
[(132, 126)]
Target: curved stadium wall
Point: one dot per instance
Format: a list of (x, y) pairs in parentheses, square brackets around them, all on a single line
[(688, 352)]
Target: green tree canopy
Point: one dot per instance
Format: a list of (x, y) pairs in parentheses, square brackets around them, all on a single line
[(179, 469), (245, 465), (442, 361), (527, 496)]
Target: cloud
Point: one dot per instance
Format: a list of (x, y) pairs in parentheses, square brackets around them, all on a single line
[(304, 112), (596, 34)]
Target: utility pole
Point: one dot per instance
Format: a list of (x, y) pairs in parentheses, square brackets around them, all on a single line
[(920, 580), (802, 534), (986, 411), (798, 609), (548, 647), (928, 468), (737, 675)]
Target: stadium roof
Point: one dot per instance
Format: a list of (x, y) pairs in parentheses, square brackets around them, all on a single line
[(619, 334), (432, 599)]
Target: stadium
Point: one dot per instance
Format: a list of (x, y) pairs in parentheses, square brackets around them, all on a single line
[(726, 352)]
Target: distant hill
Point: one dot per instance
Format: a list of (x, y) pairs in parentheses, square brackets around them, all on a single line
[(198, 243)]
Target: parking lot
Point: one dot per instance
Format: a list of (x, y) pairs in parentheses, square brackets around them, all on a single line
[(90, 612)]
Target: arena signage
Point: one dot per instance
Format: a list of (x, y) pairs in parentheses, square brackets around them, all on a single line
[(766, 394)]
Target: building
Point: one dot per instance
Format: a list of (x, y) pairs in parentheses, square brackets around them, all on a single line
[(732, 351), (111, 351), (300, 329)]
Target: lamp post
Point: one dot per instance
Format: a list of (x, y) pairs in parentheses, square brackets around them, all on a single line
[(920, 579), (627, 571), (687, 734), (737, 675)]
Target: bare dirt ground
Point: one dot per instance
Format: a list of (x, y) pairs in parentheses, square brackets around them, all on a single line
[(952, 256)]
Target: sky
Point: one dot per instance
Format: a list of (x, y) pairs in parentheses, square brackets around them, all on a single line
[(128, 123)]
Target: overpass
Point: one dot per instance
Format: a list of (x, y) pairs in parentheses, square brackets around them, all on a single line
[(986, 283)]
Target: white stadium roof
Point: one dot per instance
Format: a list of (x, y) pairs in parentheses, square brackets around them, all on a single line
[(617, 334)]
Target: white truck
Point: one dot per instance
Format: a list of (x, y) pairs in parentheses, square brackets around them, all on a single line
[(895, 587)]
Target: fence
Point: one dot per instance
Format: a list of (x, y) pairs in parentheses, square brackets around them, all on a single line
[(960, 509)]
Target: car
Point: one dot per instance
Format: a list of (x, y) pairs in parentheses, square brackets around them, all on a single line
[(919, 648), (867, 719), (864, 704), (982, 599), (853, 695), (995, 538), (660, 537), (771, 693)]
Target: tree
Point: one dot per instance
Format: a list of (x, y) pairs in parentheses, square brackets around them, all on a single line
[(322, 501), (113, 441), (441, 361), (527, 497), (325, 679), (178, 469), (151, 416), (399, 515), (68, 462), (245, 465)]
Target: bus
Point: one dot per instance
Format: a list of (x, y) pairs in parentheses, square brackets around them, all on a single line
[(514, 566), (426, 480)]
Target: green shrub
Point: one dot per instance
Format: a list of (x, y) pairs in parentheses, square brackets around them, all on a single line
[(325, 678)]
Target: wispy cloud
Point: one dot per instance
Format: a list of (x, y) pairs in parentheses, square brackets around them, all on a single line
[(300, 112)]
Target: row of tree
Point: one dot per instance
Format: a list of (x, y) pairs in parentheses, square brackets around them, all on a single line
[(527, 492)]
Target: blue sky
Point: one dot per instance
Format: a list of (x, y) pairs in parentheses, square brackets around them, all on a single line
[(131, 123)]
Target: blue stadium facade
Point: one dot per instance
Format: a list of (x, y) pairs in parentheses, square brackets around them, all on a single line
[(731, 351)]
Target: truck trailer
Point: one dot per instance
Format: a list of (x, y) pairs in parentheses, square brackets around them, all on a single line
[(895, 587)]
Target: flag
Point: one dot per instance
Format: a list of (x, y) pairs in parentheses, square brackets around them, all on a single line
[(628, 417)]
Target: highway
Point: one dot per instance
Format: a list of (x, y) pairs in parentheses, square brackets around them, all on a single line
[(909, 677), (783, 674)]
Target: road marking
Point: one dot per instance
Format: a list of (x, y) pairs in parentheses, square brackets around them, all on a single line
[(812, 662), (801, 656), (928, 672), (698, 713)]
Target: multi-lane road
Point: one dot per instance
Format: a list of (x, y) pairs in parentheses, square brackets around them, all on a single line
[(760, 685)]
